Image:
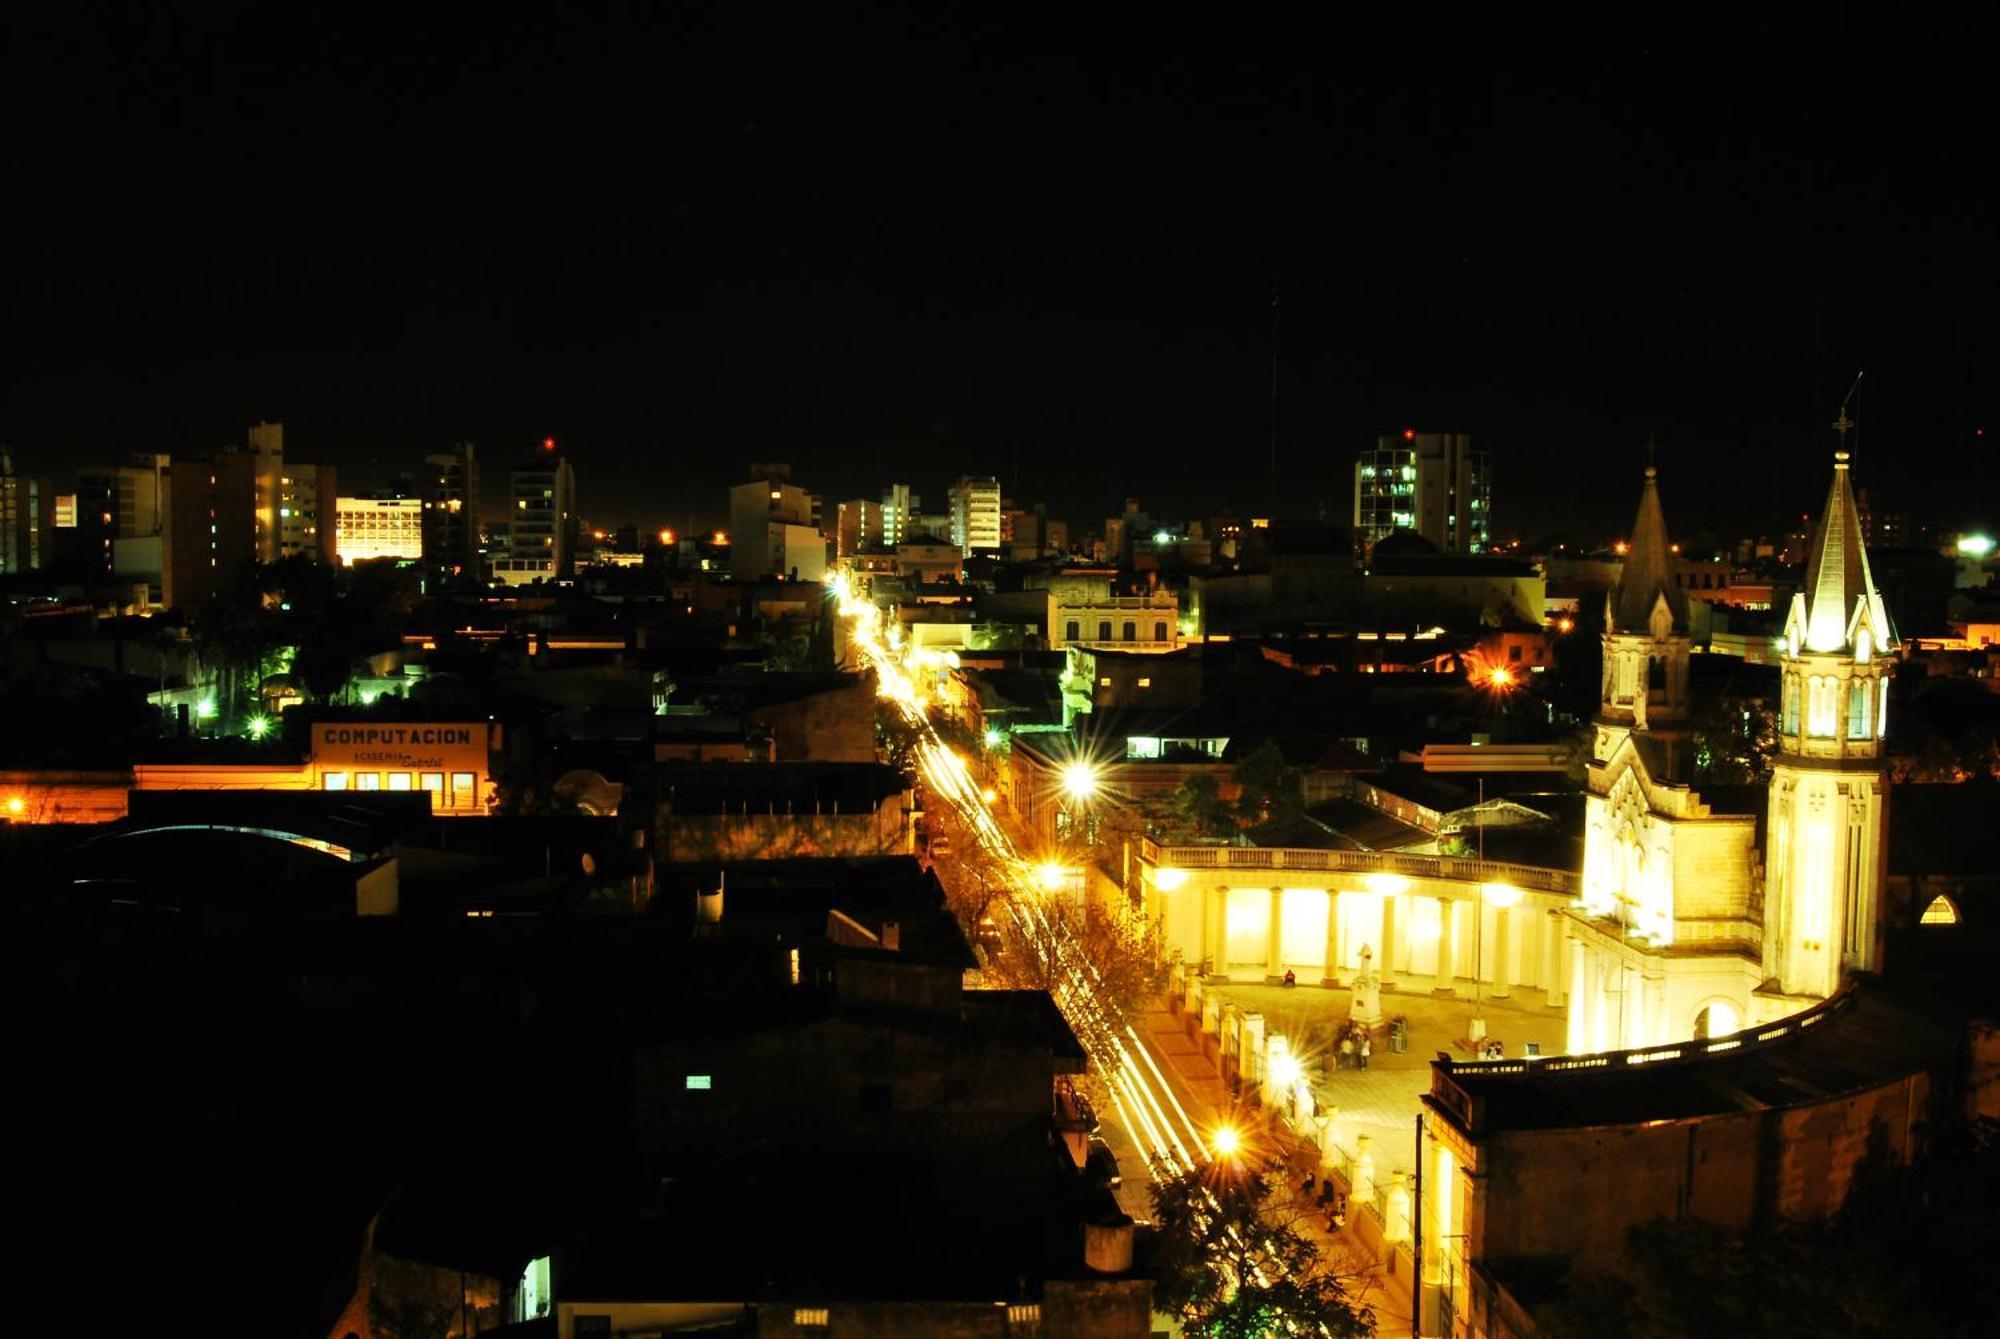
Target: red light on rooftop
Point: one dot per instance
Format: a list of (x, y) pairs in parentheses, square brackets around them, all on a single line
[(548, 443), (1409, 434)]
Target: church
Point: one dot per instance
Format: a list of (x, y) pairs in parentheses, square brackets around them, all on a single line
[(1685, 927)]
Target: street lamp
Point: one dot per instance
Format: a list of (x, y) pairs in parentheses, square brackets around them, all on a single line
[(1226, 1141), (1079, 780)]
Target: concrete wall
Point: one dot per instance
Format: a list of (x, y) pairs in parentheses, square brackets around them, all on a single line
[(834, 726)]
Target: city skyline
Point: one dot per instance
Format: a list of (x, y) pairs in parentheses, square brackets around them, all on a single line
[(1072, 292)]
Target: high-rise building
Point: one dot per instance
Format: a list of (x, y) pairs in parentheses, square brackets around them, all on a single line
[(27, 519), (1431, 482), (124, 516), (451, 513), (857, 526), (212, 531), (367, 528), (267, 453), (975, 515), (771, 530), (543, 519), (305, 522), (899, 513)]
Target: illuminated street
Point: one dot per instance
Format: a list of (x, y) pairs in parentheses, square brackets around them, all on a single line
[(1167, 1138)]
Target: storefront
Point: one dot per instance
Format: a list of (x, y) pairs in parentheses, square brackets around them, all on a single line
[(448, 759)]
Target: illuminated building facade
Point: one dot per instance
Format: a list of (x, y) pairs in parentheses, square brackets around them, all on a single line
[(1431, 482), (542, 516), (771, 529), (305, 517), (975, 515), (384, 527), (1670, 939)]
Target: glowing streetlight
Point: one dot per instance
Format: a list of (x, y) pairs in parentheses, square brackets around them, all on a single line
[(16, 805), (1501, 894), (1286, 1071), (1079, 780), (1226, 1141), (1170, 880), (1050, 876), (204, 709), (258, 726), (1500, 677), (993, 738)]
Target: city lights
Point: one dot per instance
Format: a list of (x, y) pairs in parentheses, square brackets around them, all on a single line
[(1500, 676), (258, 726), (993, 738), (204, 709), (1079, 780), (1050, 876), (16, 805), (1226, 1141), (666, 539)]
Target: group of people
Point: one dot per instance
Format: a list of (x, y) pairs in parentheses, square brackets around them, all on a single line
[(1490, 1049), (1332, 1202), (1357, 1043)]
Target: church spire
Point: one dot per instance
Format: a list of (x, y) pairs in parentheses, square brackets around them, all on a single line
[(1649, 573), (1839, 598)]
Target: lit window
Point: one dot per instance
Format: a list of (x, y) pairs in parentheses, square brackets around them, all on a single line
[(464, 785), (432, 782), (334, 781), (368, 781), (1940, 912), (1145, 683)]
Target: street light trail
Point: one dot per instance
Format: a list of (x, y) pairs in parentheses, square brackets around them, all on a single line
[(1140, 1092)]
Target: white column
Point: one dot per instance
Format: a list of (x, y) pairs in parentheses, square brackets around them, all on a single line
[(1217, 940), (1579, 1000), (1444, 948), (1503, 950), (1274, 946), (1387, 961), (1555, 956), (1330, 973)]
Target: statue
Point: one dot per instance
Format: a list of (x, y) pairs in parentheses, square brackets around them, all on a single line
[(1366, 1007)]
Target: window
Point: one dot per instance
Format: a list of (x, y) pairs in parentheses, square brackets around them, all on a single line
[(1939, 912), (1131, 631), (1821, 707), (1104, 630), (1514, 652), (432, 782), (1145, 683), (1791, 720), (589, 1327), (368, 781), (1159, 632), (334, 781), (1072, 631), (399, 781), (464, 788), (1857, 709)]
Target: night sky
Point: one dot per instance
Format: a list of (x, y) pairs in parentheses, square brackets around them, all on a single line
[(906, 248)]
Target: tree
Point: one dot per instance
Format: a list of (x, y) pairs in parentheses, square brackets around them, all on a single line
[(1269, 790), (1230, 1263), (896, 737), (1198, 809), (1042, 944)]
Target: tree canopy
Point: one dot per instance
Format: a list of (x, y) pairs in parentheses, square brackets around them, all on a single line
[(1231, 1265)]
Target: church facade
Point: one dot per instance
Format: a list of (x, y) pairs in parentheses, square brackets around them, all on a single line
[(1684, 926)]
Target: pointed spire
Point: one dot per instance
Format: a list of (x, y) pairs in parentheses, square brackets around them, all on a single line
[(1839, 594), (1649, 573)]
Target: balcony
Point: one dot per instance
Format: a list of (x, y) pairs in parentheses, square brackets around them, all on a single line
[(1528, 877)]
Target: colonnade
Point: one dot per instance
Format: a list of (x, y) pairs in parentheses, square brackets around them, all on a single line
[(1418, 939)]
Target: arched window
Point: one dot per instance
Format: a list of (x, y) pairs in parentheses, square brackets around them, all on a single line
[(1073, 632), (1857, 709), (1159, 632), (1791, 725), (1131, 631), (1656, 674), (1104, 630), (1718, 1018), (1939, 912)]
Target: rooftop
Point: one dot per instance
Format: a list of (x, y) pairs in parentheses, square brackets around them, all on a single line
[(1867, 1036)]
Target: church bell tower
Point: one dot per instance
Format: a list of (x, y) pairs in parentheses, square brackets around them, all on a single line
[(1824, 850)]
